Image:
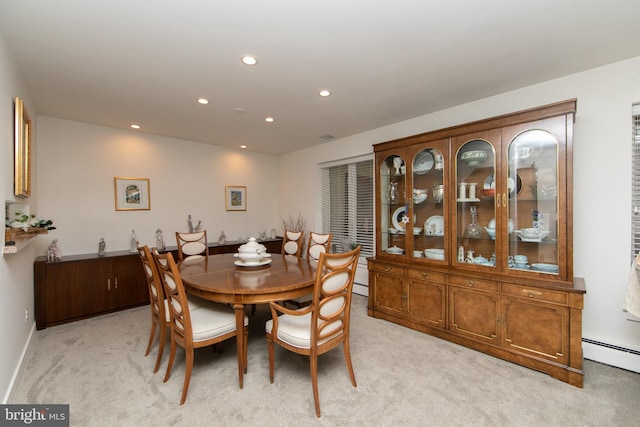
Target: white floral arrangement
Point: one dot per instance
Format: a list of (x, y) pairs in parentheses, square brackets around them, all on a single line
[(24, 222)]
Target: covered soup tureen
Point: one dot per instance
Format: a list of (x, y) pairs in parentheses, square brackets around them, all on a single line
[(252, 251)]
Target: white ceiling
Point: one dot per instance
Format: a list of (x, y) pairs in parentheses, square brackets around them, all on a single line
[(118, 62)]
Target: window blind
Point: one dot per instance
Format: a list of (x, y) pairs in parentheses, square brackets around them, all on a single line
[(635, 185), (347, 206)]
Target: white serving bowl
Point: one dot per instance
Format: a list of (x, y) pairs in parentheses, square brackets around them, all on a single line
[(434, 253), (532, 233), (419, 198), (395, 250), (417, 231)]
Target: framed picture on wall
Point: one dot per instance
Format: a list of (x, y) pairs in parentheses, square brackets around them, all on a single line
[(132, 194), (22, 150), (235, 198)]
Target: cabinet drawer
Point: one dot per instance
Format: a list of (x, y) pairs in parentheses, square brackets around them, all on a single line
[(482, 285), (389, 268), (427, 275), (537, 294)]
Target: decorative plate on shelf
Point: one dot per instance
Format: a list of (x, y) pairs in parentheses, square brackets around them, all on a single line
[(423, 162), (514, 189), (397, 219), (434, 226)]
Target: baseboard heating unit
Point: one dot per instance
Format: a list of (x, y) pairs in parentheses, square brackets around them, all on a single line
[(610, 354)]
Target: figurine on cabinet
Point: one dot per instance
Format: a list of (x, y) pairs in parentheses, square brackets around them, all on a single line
[(101, 246), (159, 240), (53, 252), (133, 243)]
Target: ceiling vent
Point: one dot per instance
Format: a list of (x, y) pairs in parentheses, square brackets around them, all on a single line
[(327, 137)]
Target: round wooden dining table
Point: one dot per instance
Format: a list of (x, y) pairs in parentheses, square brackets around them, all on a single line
[(218, 278)]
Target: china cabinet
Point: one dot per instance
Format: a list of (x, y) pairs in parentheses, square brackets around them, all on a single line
[(474, 238)]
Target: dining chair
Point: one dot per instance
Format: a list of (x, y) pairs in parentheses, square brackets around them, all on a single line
[(159, 315), (160, 318), (191, 329), (318, 243), (292, 243), (191, 245), (321, 326)]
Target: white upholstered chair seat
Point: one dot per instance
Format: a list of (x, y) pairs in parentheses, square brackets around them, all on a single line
[(195, 303), (214, 321), (296, 330)]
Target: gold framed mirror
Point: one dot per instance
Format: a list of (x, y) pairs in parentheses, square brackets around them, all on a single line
[(22, 150)]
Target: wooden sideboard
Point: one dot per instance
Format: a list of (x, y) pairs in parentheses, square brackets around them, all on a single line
[(82, 286)]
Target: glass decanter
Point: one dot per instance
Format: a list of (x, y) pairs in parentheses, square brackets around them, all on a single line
[(473, 229)]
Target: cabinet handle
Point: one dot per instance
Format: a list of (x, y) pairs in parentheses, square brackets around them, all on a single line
[(405, 296), (108, 284), (388, 269), (504, 199), (531, 294), (470, 283), (425, 274), (116, 281), (497, 201)]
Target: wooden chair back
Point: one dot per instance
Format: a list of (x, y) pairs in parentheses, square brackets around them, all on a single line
[(292, 243), (318, 243), (332, 299), (180, 317), (159, 317), (191, 244)]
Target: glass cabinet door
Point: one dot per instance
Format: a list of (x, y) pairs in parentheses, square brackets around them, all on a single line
[(532, 166), (427, 202), (394, 219), (476, 225)]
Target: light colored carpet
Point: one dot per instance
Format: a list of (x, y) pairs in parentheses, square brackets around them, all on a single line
[(404, 378)]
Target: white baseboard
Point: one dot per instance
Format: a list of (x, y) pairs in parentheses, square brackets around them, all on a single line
[(18, 368), (361, 289), (611, 355)]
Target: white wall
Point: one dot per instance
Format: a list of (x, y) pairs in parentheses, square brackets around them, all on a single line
[(80, 161), (602, 181), (16, 270)]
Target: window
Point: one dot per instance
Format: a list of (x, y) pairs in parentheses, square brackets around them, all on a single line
[(347, 205), (635, 185)]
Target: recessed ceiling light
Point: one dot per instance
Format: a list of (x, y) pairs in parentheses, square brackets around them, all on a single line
[(135, 126), (239, 110), (203, 101), (325, 92), (249, 60), (268, 119), (243, 146)]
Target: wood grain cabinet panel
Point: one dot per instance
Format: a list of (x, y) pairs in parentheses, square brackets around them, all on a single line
[(427, 303), (539, 330), (474, 314)]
